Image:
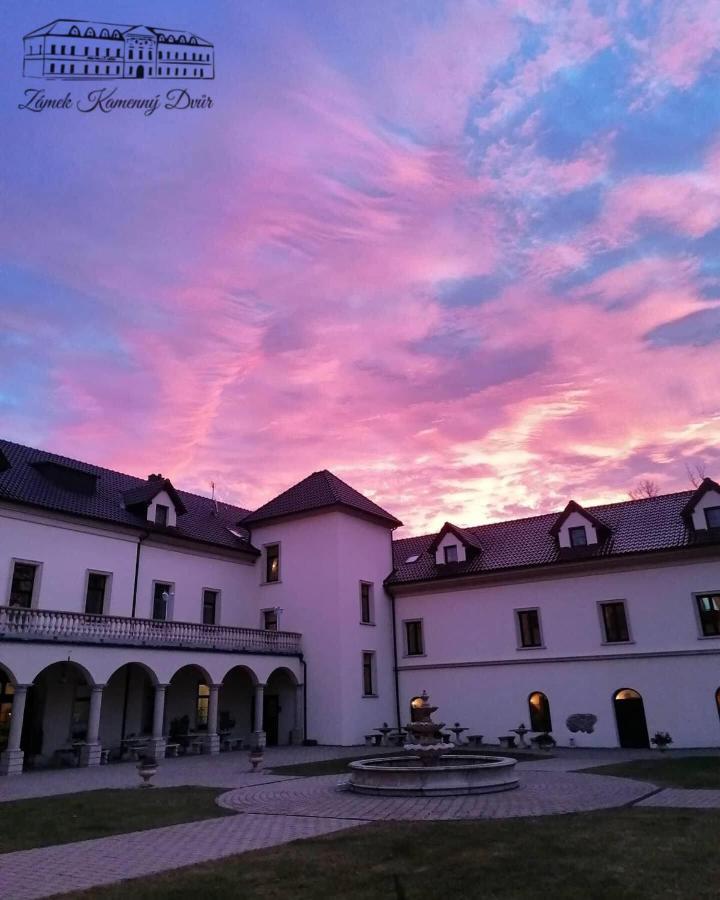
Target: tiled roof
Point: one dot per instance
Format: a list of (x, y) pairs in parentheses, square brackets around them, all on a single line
[(636, 526), (61, 27), (24, 483), (319, 490)]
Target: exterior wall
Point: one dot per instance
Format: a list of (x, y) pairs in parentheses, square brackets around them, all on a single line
[(323, 559), (477, 626), (577, 520)]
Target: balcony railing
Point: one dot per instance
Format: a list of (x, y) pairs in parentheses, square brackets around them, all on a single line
[(54, 625)]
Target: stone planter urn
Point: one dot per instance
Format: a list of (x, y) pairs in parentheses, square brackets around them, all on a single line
[(147, 767), (256, 757)]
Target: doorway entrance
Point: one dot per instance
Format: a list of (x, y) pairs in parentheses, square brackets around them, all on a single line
[(271, 719), (140, 72), (630, 719)]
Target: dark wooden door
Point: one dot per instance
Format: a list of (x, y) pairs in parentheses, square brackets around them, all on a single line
[(631, 724), (271, 718)]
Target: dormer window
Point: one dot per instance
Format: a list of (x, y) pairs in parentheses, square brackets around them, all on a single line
[(578, 536), (712, 516), (451, 553), (161, 514)]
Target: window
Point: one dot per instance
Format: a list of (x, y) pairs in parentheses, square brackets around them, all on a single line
[(528, 625), (72, 69), (86, 51), (62, 68), (366, 603), (95, 593), (140, 54), (131, 54), (614, 619), (368, 673), (539, 712), (270, 619), (712, 516), (149, 54), (97, 70), (22, 588), (709, 611), (161, 599), (159, 54), (52, 68), (85, 69), (62, 49), (53, 49), (161, 512), (272, 563), (209, 609), (107, 70), (414, 645), (203, 704), (75, 31), (578, 536), (72, 50), (451, 553)]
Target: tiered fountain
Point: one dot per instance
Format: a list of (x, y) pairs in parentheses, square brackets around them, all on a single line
[(430, 769)]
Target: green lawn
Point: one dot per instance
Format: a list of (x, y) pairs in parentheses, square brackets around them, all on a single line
[(339, 766), (628, 854), (92, 814), (668, 771)]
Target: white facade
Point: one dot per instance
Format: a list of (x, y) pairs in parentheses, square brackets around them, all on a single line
[(247, 649)]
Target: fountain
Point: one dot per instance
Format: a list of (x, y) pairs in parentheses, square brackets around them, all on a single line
[(430, 769)]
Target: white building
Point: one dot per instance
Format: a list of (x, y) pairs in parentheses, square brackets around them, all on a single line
[(80, 50), (136, 613)]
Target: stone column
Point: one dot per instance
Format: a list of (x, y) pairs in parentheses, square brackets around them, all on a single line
[(156, 745), (213, 738), (91, 753), (297, 735), (11, 760), (258, 733)]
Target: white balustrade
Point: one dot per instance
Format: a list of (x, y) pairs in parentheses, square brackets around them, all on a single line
[(17, 623)]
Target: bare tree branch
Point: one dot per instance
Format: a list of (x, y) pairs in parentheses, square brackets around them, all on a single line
[(644, 488), (696, 472)]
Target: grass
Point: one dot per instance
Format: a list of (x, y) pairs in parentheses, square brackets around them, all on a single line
[(677, 771), (91, 814), (628, 854), (339, 766)]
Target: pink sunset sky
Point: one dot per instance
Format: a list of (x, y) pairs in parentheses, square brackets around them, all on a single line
[(466, 255)]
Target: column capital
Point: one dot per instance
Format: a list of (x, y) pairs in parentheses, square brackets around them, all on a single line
[(161, 687), (98, 687), (21, 687), (260, 684)]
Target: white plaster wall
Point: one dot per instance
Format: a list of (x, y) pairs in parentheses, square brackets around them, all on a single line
[(711, 498), (192, 572), (308, 594), (66, 551), (162, 499), (576, 520), (678, 694)]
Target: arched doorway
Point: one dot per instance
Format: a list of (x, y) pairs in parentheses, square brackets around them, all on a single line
[(235, 705), (128, 704), (187, 704), (140, 72), (57, 710), (539, 707), (630, 719), (279, 707)]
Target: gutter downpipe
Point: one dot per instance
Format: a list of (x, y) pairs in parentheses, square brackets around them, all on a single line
[(394, 638), (305, 697), (126, 698)]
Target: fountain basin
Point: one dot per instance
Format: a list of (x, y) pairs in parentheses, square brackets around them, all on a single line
[(454, 776)]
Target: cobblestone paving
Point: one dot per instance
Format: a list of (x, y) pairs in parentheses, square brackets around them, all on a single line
[(29, 874), (684, 798), (539, 794)]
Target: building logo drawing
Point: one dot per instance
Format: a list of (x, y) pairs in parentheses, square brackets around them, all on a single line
[(75, 50)]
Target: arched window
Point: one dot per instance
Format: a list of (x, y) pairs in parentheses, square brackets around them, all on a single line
[(116, 35), (89, 32), (539, 712), (161, 38), (181, 39), (171, 39), (105, 33), (75, 31), (193, 40)]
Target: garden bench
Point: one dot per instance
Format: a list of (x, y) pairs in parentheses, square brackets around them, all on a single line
[(475, 739), (172, 749), (507, 741)]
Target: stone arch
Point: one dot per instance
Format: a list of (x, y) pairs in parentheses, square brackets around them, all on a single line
[(187, 700), (280, 714), (283, 670), (630, 718), (7, 671), (69, 663), (128, 703)]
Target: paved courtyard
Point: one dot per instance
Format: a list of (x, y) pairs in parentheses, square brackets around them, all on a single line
[(275, 809)]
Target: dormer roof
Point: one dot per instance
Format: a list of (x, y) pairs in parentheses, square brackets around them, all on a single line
[(320, 491), (705, 486), (470, 540), (573, 507), (143, 495)]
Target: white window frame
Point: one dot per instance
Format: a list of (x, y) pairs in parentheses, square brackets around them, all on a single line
[(698, 620), (518, 630), (373, 673), (371, 602), (605, 642), (267, 609), (170, 609), (108, 589), (264, 562), (577, 528), (218, 602), (454, 547), (406, 649), (34, 600)]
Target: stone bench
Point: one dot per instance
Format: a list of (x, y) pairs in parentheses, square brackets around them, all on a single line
[(507, 741), (475, 739), (372, 740), (172, 749)]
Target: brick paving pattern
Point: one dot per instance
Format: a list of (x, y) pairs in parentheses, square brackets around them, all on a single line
[(539, 794), (684, 798)]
